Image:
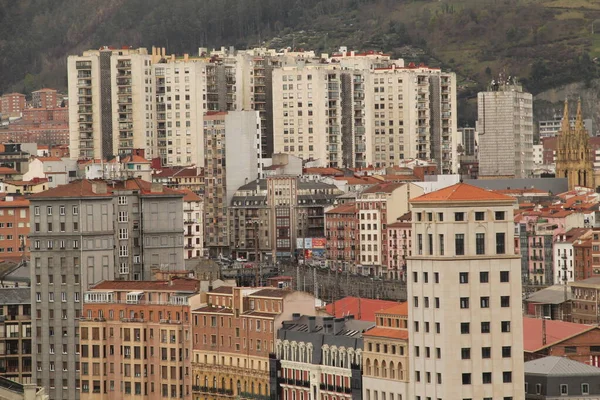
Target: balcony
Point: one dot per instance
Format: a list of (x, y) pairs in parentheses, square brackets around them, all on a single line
[(246, 395)]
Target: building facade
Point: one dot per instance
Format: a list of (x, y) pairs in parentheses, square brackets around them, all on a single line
[(16, 334), (319, 358), (466, 342), (83, 233), (560, 378), (193, 217), (505, 127), (574, 155), (233, 335), (341, 231), (136, 340), (385, 354)]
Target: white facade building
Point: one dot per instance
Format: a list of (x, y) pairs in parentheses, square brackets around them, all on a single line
[(505, 126), (464, 297)]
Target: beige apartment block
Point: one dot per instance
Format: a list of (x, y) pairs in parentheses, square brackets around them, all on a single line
[(110, 91), (464, 295)]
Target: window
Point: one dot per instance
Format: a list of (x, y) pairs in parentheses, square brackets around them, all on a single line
[(123, 216), (440, 217), (486, 352), (507, 376), (538, 388), (459, 244), (437, 302), (464, 328), (485, 327), (506, 351), (504, 276), (486, 377), (570, 349), (36, 210), (123, 233), (485, 302), (585, 388), (504, 301), (75, 210), (505, 326), (61, 210), (466, 379), (484, 277), (436, 277), (463, 277), (49, 210), (500, 243), (465, 353), (464, 302), (441, 244), (499, 215), (479, 216), (122, 200), (564, 389), (459, 216), (416, 301), (415, 277), (480, 243)]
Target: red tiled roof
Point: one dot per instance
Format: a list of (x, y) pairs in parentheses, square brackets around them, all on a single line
[(7, 171), (355, 180), (362, 309), (174, 285), (383, 188), (387, 333), (462, 192), (348, 208), (397, 178), (84, 188), (323, 171), (214, 309), (223, 290), (556, 331), (188, 195), (134, 159), (399, 309), (34, 181), (44, 159)]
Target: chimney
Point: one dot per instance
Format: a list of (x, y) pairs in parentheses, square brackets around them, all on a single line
[(156, 188), (99, 187), (338, 325), (311, 323), (186, 57), (295, 316)]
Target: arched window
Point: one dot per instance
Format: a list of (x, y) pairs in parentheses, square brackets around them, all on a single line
[(252, 387), (215, 382), (383, 369), (205, 381), (259, 388), (368, 364), (239, 388), (223, 383), (392, 370), (197, 380), (376, 367), (231, 385), (400, 371)]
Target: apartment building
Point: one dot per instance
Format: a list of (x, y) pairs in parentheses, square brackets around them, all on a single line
[(319, 358), (12, 105), (111, 97), (585, 300), (233, 335), (277, 210), (135, 339), (564, 254), (379, 206), (341, 232), (399, 235), (466, 342), (45, 98), (226, 168), (385, 354), (179, 104), (16, 335), (193, 217), (377, 112), (14, 226), (83, 233), (505, 127)]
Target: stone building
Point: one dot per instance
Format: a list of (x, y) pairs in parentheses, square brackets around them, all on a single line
[(574, 155)]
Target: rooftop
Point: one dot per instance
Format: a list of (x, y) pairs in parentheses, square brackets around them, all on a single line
[(383, 188), (20, 295), (551, 295), (223, 290), (102, 188), (362, 309), (560, 366), (398, 309), (462, 192), (387, 333), (595, 281), (349, 208), (174, 285), (271, 292), (556, 331)]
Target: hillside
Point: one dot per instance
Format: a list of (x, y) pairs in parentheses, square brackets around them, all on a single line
[(546, 43)]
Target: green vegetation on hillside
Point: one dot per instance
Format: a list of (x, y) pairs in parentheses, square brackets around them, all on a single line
[(546, 43)]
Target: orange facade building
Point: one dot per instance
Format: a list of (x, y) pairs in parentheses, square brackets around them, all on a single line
[(14, 226), (136, 340)]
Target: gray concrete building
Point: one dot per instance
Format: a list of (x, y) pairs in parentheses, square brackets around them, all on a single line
[(83, 233), (553, 377), (505, 127), (15, 334)]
